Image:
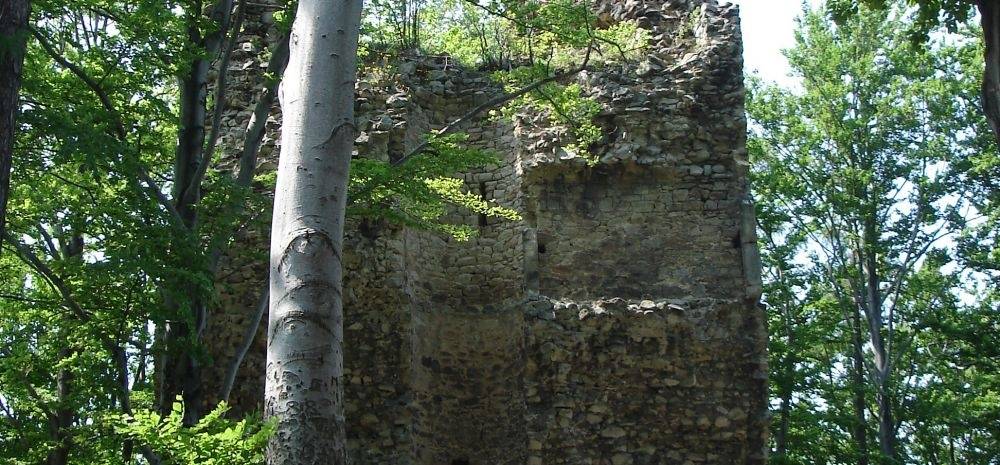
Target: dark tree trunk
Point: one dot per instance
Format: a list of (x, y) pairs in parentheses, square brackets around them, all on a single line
[(880, 343), (786, 387), (784, 422), (181, 376), (859, 430), (62, 419), (989, 11), (13, 38), (180, 368)]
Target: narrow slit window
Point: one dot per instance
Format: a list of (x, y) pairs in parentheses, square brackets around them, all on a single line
[(482, 195)]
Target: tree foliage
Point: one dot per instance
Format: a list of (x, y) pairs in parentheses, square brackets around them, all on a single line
[(214, 440), (865, 186), (929, 15)]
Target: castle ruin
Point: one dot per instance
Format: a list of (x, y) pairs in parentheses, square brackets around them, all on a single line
[(617, 323)]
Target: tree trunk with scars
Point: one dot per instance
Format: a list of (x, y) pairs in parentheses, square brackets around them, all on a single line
[(304, 383), (13, 39)]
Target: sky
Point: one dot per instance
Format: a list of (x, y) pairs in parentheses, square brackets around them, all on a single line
[(768, 27)]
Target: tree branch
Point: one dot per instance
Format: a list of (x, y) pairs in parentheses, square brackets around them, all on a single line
[(60, 286), (105, 100), (48, 242), (220, 95), (253, 136), (258, 120), (528, 26), (102, 95), (50, 276), (160, 197), (493, 103)]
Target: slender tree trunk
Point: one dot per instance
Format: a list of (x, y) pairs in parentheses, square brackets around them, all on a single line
[(951, 447), (252, 139), (182, 374), (258, 119), (249, 334), (181, 369), (859, 431), (989, 12), (876, 325), (786, 385), (63, 417), (62, 420), (304, 385), (13, 40), (784, 422)]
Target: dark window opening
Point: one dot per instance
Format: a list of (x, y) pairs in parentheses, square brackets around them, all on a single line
[(460, 462), (541, 248), (482, 216)]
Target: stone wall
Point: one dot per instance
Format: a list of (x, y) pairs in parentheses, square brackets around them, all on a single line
[(617, 323), (643, 382)]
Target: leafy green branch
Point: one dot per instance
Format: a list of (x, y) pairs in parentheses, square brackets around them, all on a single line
[(214, 440)]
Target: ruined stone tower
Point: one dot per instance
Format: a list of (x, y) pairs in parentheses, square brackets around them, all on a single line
[(617, 323)]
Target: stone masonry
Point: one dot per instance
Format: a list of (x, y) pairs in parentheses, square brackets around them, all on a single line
[(616, 323)]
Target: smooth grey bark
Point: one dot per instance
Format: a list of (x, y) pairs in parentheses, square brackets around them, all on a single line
[(304, 388), (13, 40)]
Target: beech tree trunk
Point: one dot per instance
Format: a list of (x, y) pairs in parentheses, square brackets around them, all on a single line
[(304, 385), (989, 12), (13, 38)]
